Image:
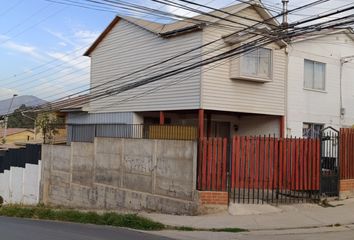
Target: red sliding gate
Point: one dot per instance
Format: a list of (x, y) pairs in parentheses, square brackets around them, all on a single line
[(261, 169), (269, 169)]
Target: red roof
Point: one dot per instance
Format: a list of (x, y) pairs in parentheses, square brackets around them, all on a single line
[(12, 131)]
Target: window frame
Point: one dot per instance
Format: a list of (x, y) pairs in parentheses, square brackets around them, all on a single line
[(312, 127), (313, 76), (246, 76)]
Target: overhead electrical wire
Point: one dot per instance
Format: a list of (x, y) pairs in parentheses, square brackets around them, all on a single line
[(125, 88)]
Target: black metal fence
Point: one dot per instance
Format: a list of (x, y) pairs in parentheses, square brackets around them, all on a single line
[(19, 157), (87, 132)]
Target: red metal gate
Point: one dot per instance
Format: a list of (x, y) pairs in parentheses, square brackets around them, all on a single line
[(261, 169), (212, 164), (269, 169)]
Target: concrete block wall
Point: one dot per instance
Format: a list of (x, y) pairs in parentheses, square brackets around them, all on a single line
[(113, 173)]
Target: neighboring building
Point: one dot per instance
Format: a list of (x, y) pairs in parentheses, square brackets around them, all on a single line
[(244, 96), (14, 135), (320, 82)]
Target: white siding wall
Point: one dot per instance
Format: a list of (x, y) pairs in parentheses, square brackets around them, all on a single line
[(128, 48), (320, 106), (251, 125), (219, 92)]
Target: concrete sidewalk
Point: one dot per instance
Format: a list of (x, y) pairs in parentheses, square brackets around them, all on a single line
[(284, 217)]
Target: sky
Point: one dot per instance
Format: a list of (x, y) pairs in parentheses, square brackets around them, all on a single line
[(41, 42)]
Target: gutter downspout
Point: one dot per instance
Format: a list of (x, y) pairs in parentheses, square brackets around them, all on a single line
[(343, 61), (286, 127)]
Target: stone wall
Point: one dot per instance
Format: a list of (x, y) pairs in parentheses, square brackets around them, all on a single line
[(113, 173)]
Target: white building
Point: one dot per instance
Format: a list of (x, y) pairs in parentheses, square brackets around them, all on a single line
[(320, 82)]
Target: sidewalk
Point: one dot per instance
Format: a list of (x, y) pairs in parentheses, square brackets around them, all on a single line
[(287, 217)]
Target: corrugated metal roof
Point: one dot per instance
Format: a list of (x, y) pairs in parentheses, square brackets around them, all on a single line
[(100, 118)]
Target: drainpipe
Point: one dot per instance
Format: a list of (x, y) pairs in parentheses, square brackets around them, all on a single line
[(343, 61)]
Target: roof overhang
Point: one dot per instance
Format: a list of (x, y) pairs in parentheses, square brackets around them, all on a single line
[(195, 24)]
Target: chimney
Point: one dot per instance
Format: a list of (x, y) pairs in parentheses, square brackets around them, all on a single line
[(285, 12)]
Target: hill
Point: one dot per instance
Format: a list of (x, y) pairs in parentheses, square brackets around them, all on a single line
[(29, 101)]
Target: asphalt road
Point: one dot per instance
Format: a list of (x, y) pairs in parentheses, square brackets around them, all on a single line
[(23, 229)]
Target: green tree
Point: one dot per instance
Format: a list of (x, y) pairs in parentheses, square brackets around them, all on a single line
[(17, 120), (47, 124)]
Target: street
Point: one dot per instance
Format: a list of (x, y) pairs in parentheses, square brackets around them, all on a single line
[(23, 229)]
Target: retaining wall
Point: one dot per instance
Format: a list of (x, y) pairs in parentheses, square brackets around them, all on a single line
[(113, 173)]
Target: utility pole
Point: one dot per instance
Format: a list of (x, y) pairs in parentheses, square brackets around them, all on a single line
[(34, 123), (7, 117)]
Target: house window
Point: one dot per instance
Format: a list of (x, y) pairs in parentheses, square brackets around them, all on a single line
[(311, 130), (314, 75), (257, 63)]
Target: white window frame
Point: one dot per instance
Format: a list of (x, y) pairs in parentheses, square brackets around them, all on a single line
[(313, 77), (246, 76)]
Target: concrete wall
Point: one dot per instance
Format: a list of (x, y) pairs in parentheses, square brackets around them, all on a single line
[(20, 185), (113, 173)]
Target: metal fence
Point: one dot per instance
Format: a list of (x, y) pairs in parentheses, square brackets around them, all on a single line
[(87, 133), (347, 153), (276, 170), (19, 157), (212, 164), (261, 169)]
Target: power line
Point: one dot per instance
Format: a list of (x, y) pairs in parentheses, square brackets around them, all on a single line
[(44, 71), (33, 25), (9, 9), (126, 88)]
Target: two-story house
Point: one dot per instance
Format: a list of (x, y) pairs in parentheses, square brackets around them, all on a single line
[(243, 95), (320, 82)]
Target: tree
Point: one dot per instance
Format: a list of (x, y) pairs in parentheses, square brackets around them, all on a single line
[(47, 123), (17, 120)]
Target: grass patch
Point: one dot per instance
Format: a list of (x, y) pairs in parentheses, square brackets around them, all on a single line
[(112, 219)]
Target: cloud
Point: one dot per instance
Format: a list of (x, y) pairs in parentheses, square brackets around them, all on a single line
[(27, 49), (62, 37), (72, 60), (86, 36), (7, 93), (76, 37)]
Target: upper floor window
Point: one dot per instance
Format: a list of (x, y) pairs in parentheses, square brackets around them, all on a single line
[(257, 63), (314, 75)]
